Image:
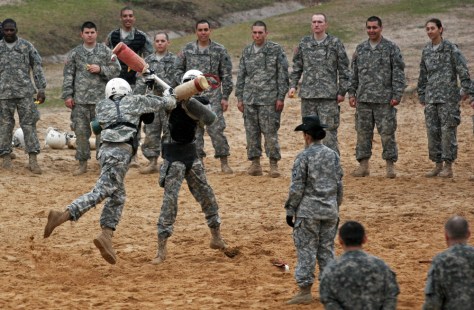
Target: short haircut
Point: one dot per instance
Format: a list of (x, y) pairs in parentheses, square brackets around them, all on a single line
[(352, 233), (260, 23), (162, 32), (88, 25), (317, 134), (374, 19), (202, 21), (127, 8), (322, 14), (9, 21), (457, 228)]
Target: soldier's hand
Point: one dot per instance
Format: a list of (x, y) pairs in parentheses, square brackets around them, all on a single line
[(472, 104), (340, 98), (291, 93), (93, 69), (394, 102), (352, 102), (279, 105), (225, 105), (240, 106), (69, 102), (40, 97), (289, 221)]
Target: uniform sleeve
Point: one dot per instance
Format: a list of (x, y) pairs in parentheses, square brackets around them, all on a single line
[(108, 41), (297, 67), (422, 80), (298, 181), (343, 70), (391, 291), (180, 66), (340, 187), (38, 74), (433, 297), (140, 86), (326, 294), (354, 84), (69, 74), (148, 47), (225, 74), (282, 75), (398, 74), (111, 68), (462, 70), (241, 75)]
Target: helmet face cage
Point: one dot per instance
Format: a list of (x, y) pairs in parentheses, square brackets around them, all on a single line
[(190, 75), (117, 86)]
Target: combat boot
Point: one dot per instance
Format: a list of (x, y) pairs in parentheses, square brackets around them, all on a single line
[(55, 218), (134, 162), (217, 242), (104, 243), (447, 171), (225, 166), (363, 169), (391, 174), (255, 169), (303, 297), (81, 169), (33, 164), (162, 251), (436, 170), (274, 173), (152, 167), (7, 162)]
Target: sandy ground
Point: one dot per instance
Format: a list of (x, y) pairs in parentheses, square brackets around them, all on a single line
[(403, 217)]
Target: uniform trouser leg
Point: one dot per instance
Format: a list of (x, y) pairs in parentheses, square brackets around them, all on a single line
[(328, 111), (203, 193), (218, 138), (433, 130), (199, 141), (7, 123), (81, 117), (252, 132), (269, 121), (364, 125), (386, 121), (28, 115), (173, 174), (109, 185), (151, 147), (310, 237)]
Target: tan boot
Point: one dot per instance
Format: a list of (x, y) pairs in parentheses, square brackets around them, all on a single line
[(33, 164), (436, 170), (225, 166), (362, 170), (302, 297), (7, 162), (134, 162), (55, 218), (104, 243), (81, 169), (217, 242), (447, 171), (274, 173), (255, 169), (152, 167), (162, 251), (391, 174)]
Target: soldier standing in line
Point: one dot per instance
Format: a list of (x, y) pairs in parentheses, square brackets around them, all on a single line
[(312, 207), (357, 280), (87, 70), (162, 64), (323, 62), (262, 84), (210, 57), (136, 40), (117, 117), (441, 65), (450, 282), (377, 85), (18, 58)]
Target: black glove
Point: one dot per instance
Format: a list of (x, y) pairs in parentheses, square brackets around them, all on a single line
[(289, 221), (202, 100), (149, 79)]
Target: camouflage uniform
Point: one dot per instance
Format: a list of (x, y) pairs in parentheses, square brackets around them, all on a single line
[(357, 280), (212, 60), (262, 80), (16, 92), (172, 175), (164, 69), (438, 89), (115, 154), (86, 89), (314, 198), (326, 74), (450, 282), (378, 77)]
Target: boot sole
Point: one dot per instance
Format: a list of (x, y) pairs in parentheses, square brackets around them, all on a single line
[(103, 251)]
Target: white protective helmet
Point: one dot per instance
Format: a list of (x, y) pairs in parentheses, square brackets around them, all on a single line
[(117, 86), (18, 138), (190, 75), (55, 139)]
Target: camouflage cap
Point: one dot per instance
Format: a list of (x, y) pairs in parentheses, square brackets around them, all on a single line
[(310, 123)]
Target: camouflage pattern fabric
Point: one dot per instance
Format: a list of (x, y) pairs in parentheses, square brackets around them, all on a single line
[(81, 117), (16, 92), (358, 281), (262, 80), (115, 154), (214, 60), (438, 89), (324, 66), (450, 282), (328, 111), (164, 69), (384, 117)]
